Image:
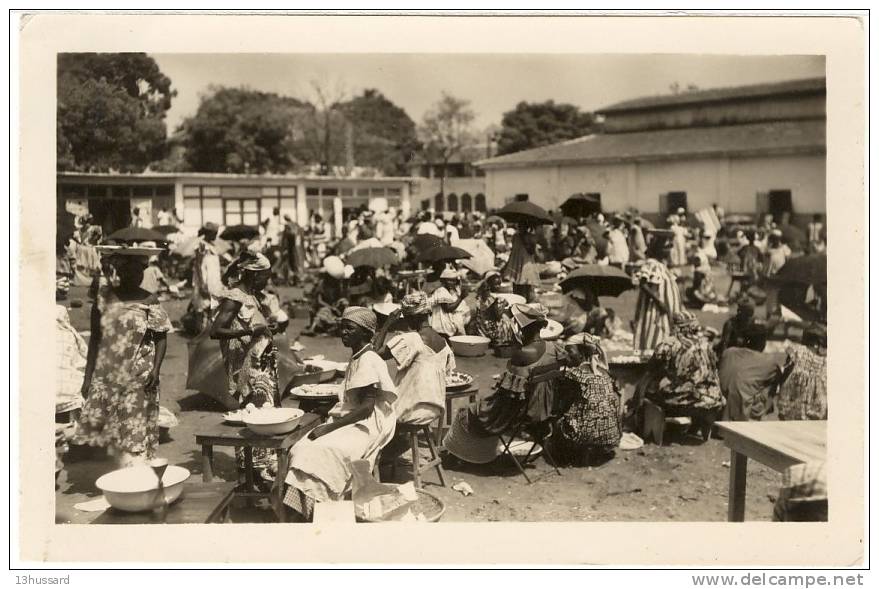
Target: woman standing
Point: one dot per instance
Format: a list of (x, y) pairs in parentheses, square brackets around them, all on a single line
[(490, 318), (449, 311), (520, 268), (206, 277), (361, 423), (679, 241), (591, 426), (658, 298), (125, 354), (246, 320)]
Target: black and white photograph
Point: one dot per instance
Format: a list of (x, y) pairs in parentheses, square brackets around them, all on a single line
[(414, 288)]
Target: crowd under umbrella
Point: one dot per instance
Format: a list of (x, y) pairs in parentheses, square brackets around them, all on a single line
[(442, 253), (166, 229), (237, 232), (136, 235), (425, 241), (373, 257), (603, 281), (525, 213), (495, 219)]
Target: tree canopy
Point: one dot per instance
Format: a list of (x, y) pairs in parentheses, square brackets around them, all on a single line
[(384, 136), (239, 130), (111, 111), (534, 124)]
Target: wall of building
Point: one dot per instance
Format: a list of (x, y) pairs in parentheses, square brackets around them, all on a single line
[(428, 188), (732, 183), (730, 113)]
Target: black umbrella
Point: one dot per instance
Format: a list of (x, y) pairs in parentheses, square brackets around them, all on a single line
[(236, 232), (581, 205), (374, 257), (524, 212), (443, 253), (136, 234), (806, 270), (793, 236), (166, 229), (425, 241), (603, 281)]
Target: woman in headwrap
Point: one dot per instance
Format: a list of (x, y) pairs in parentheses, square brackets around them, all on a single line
[(449, 312), (685, 366), (679, 241), (125, 354), (490, 318), (421, 364), (246, 320), (591, 426), (207, 283), (474, 435), (658, 297), (360, 424)]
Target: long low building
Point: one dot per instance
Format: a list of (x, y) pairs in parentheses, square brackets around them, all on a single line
[(752, 149), (225, 199)]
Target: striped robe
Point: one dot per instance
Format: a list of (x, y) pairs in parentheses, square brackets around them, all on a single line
[(651, 324)]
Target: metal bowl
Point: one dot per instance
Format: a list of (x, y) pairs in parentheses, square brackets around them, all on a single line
[(136, 488), (272, 421)]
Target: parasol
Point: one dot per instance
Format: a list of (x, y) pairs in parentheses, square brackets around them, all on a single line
[(603, 281), (560, 219), (806, 270), (581, 205), (136, 234), (425, 241), (236, 232), (166, 229), (525, 212), (442, 253), (374, 257)]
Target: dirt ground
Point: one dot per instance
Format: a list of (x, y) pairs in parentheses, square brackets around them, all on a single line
[(685, 480)]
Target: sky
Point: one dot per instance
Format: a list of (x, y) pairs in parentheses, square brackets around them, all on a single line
[(494, 83)]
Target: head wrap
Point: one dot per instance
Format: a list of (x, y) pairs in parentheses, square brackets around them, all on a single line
[(415, 303), (525, 315), (361, 316), (449, 274), (685, 321), (597, 357), (334, 266), (256, 263)]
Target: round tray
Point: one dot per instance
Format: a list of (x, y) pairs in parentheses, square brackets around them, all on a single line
[(317, 387), (430, 506), (457, 387)]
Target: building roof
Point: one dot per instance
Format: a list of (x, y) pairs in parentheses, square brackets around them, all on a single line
[(207, 176), (802, 86), (775, 138)]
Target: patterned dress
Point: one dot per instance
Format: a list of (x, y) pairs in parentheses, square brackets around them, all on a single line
[(251, 364), (804, 393), (121, 412), (651, 324), (491, 321), (690, 368), (593, 421)]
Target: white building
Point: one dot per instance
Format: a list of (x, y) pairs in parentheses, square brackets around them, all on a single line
[(750, 149)]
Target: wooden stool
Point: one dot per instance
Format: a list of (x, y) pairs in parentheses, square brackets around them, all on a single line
[(655, 418), (417, 467)]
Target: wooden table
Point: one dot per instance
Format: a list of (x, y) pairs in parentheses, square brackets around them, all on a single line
[(777, 444), (627, 374), (201, 503), (237, 436)]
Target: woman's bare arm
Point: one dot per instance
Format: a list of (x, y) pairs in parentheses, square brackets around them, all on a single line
[(92, 353), (220, 329)]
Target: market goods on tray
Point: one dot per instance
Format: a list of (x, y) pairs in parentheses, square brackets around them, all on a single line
[(458, 380), (237, 417), (317, 391), (627, 359)]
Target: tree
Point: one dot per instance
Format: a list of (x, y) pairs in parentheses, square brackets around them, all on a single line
[(325, 132), (238, 130), (534, 124), (384, 137), (446, 131), (111, 111)]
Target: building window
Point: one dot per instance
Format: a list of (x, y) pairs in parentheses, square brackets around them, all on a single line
[(395, 192), (780, 204), (164, 190), (330, 192), (425, 204), (288, 191), (312, 191), (210, 191), (377, 192), (453, 203), (466, 203), (97, 191), (269, 191), (241, 211), (439, 205), (141, 191), (672, 201), (363, 192), (192, 210), (347, 192), (123, 192), (191, 191), (480, 203)]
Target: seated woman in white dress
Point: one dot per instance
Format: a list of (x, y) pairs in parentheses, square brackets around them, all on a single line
[(361, 423)]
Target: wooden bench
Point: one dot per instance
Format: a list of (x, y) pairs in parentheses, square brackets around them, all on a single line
[(201, 503)]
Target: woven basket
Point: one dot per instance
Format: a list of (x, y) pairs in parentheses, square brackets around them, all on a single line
[(430, 506)]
